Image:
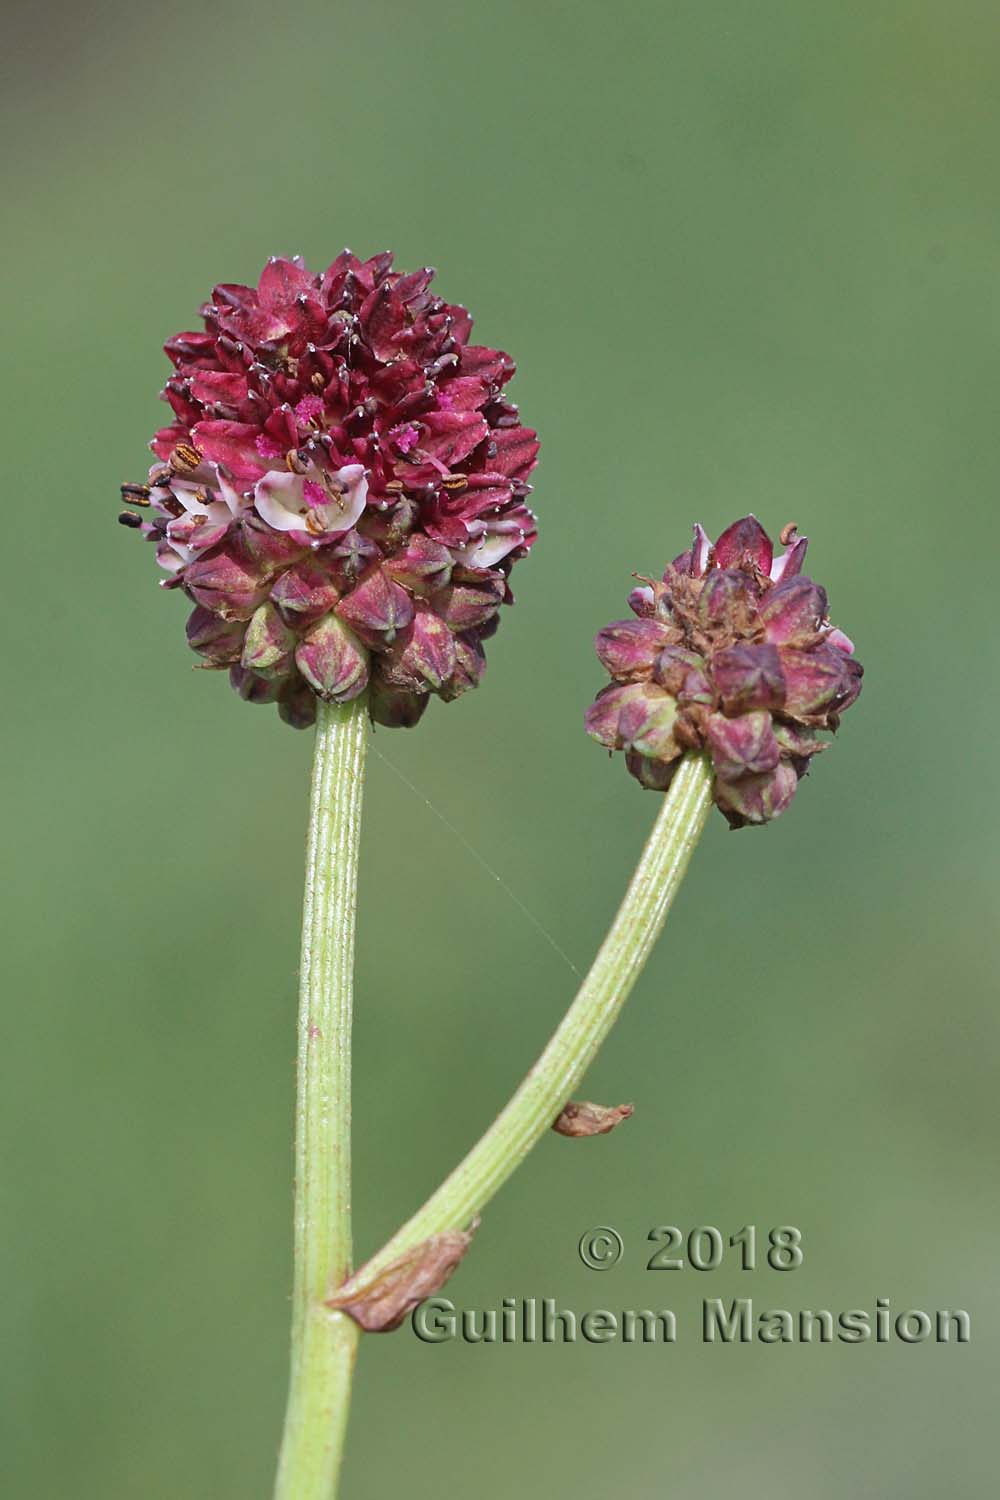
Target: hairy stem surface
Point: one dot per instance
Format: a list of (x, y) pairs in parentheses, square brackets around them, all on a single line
[(324, 1343)]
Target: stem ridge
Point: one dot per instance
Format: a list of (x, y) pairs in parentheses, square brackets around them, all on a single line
[(324, 1343)]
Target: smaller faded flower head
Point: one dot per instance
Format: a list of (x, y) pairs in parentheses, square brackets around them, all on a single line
[(731, 654)]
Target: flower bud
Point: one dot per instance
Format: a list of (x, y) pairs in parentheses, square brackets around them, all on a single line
[(297, 704), (654, 775), (744, 744), (305, 593), (271, 550), (756, 798), (744, 545), (604, 714), (251, 688), (269, 645), (423, 566), (646, 723), (682, 673), (793, 612), (468, 607), (377, 609), (426, 656), (726, 596), (817, 681), (395, 707), (333, 660), (226, 583), (219, 641), (470, 664), (748, 677), (627, 648)]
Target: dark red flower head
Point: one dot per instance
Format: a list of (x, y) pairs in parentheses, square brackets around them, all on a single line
[(731, 654), (342, 490)]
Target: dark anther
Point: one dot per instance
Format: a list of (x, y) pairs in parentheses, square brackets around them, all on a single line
[(135, 494), (184, 459)]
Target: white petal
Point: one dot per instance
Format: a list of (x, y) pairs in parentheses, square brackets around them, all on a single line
[(172, 556), (490, 549), (795, 553), (230, 495), (842, 642), (192, 496), (355, 497), (280, 500), (699, 552), (219, 514)]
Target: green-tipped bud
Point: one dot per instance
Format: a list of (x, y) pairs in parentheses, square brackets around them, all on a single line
[(269, 645), (333, 661)]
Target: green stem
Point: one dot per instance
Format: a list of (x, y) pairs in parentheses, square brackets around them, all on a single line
[(556, 1074), (324, 1343)]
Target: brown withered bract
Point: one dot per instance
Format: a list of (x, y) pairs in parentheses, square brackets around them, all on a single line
[(384, 1303), (581, 1118)]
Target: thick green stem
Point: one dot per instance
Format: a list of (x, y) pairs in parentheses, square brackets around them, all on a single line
[(324, 1343), (558, 1071)]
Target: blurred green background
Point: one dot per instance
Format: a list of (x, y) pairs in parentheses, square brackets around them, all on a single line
[(746, 257)]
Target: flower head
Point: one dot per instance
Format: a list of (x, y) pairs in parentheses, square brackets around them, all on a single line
[(341, 493), (732, 654)]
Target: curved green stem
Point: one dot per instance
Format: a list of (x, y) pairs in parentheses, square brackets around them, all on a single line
[(558, 1071), (324, 1343)]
